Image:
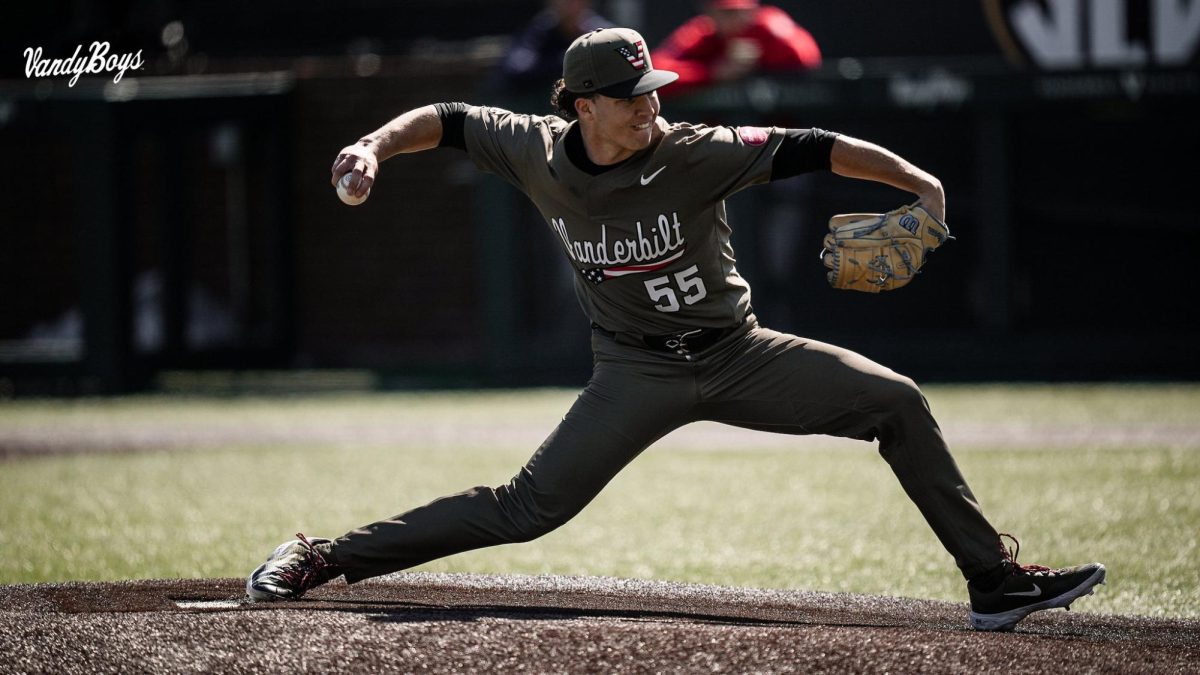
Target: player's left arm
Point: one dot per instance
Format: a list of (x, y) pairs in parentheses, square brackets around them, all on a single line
[(855, 158)]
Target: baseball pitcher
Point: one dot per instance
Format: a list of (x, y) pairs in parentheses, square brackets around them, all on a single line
[(637, 204)]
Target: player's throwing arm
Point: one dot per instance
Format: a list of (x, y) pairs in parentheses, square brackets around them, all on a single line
[(356, 166)]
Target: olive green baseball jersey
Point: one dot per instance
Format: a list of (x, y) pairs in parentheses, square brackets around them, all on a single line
[(648, 239)]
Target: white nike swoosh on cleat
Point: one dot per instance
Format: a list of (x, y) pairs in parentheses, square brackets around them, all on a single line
[(646, 179), (1033, 594)]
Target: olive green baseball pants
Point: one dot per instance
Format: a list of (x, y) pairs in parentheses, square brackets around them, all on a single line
[(755, 378)]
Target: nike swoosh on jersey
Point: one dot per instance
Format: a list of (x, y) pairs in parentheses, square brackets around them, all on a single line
[(646, 179), (1033, 594)]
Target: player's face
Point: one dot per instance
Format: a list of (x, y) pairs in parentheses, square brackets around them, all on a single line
[(617, 128)]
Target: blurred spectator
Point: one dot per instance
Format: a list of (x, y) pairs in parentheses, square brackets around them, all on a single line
[(732, 39), (535, 57)]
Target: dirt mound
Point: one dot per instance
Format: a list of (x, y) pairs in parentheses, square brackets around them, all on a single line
[(472, 623)]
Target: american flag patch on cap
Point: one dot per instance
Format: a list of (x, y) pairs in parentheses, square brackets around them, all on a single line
[(635, 54)]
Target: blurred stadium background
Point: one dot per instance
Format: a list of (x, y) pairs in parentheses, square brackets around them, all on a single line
[(181, 221)]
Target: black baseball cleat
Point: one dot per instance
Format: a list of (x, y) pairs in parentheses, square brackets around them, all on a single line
[(1026, 589), (291, 570)]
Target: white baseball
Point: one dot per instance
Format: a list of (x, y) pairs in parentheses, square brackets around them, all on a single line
[(345, 195)]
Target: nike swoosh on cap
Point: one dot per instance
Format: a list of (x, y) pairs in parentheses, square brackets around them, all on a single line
[(1033, 594), (646, 179)]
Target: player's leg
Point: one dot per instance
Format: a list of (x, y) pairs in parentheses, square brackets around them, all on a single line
[(624, 409), (778, 382)]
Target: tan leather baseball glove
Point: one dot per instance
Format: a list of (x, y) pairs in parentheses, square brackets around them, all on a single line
[(874, 252)]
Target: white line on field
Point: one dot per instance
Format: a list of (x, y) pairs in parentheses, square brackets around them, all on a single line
[(208, 604)]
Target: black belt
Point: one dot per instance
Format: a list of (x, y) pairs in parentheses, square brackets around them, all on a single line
[(684, 342)]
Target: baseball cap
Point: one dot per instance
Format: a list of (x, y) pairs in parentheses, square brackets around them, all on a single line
[(614, 62)]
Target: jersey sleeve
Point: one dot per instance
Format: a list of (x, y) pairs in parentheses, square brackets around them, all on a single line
[(505, 143), (726, 160), (802, 151)]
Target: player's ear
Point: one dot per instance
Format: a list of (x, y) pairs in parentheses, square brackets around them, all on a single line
[(582, 106)]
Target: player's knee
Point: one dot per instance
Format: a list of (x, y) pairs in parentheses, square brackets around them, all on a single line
[(900, 411), (898, 395), (542, 518), (532, 513)]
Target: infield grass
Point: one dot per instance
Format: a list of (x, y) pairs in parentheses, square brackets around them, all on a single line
[(214, 483)]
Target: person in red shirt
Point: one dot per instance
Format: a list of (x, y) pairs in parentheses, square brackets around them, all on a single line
[(732, 39)]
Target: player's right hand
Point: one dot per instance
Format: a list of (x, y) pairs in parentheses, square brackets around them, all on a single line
[(360, 160)]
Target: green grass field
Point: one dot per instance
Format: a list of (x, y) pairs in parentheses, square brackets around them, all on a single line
[(175, 486)]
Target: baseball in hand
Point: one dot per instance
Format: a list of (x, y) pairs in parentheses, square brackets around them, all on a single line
[(345, 195)]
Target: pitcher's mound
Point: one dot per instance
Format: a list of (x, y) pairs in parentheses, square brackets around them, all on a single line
[(473, 623)]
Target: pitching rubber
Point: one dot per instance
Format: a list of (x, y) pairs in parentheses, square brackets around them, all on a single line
[(1006, 621)]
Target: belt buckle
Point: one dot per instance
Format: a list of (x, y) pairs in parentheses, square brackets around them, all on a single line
[(678, 341)]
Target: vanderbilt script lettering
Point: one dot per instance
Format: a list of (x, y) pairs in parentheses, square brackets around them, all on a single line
[(662, 239)]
